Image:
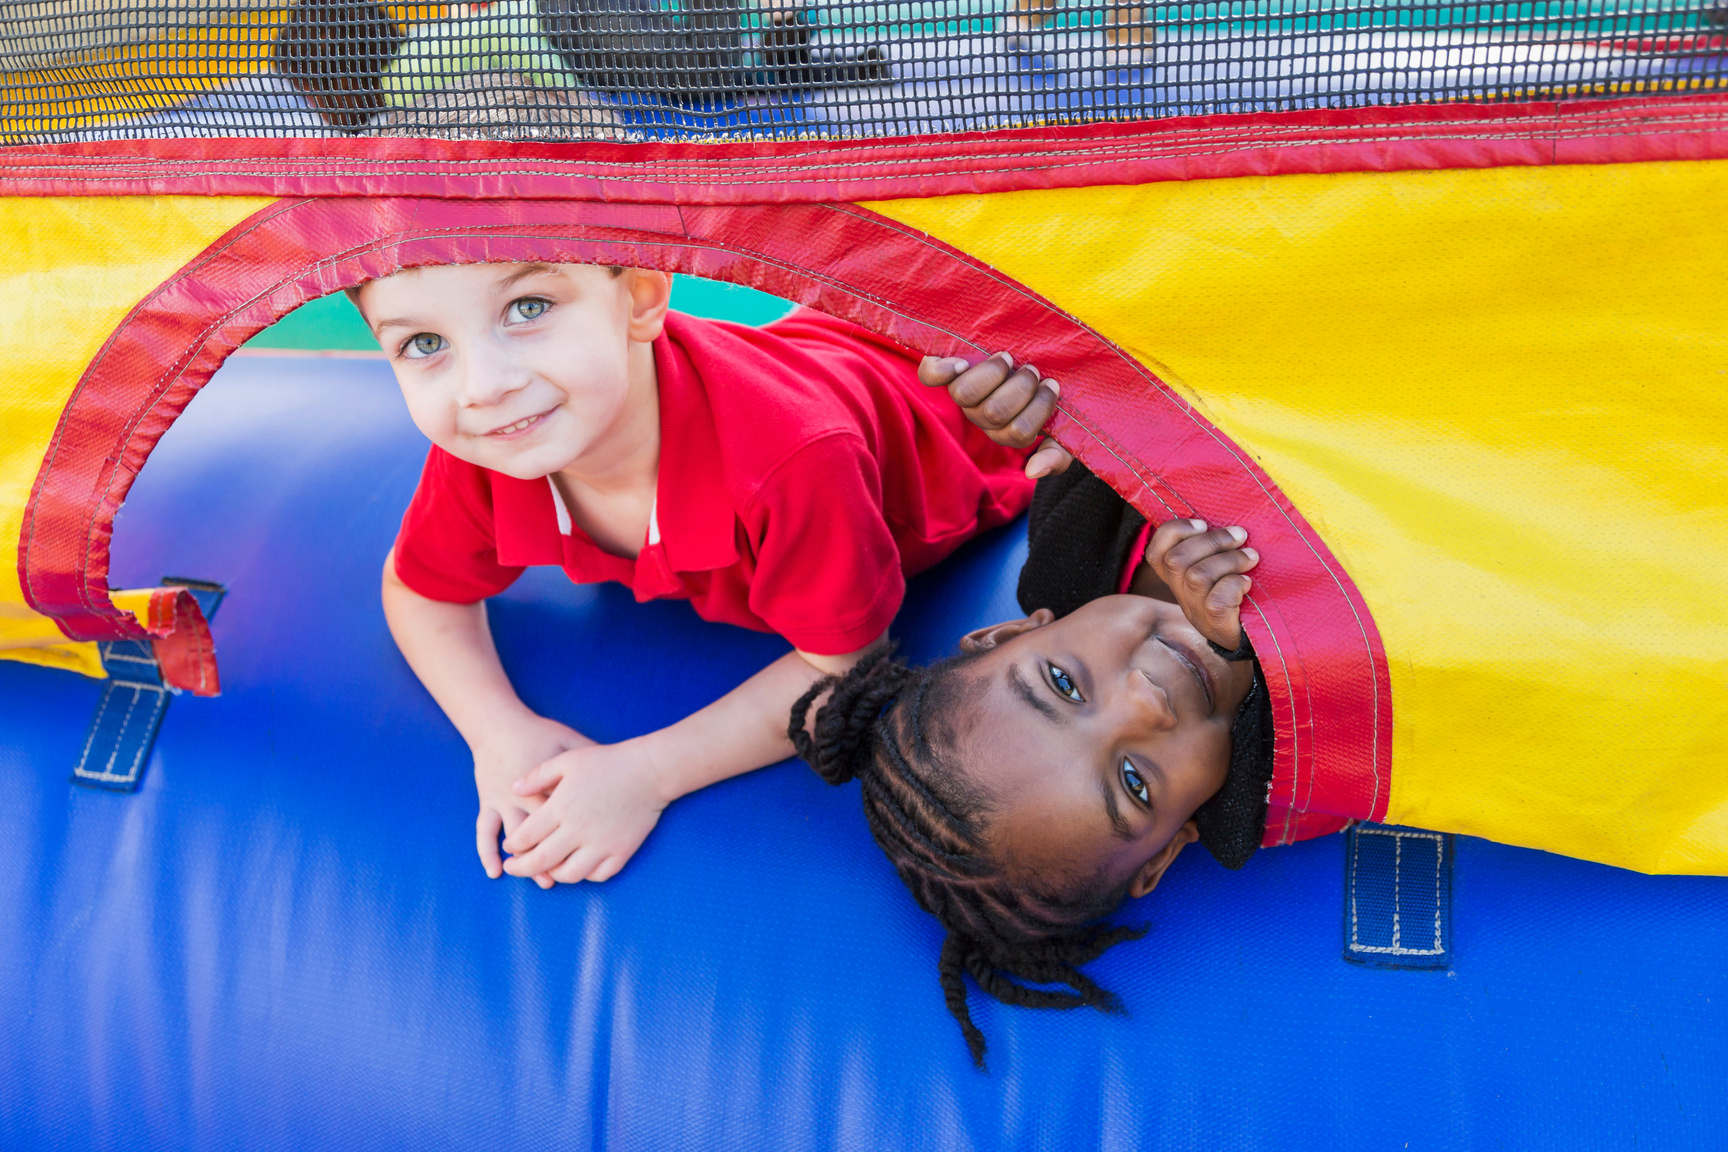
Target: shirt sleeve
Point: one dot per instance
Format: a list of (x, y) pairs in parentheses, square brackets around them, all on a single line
[(447, 548), (828, 575)]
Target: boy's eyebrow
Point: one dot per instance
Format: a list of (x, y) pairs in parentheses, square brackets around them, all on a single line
[(523, 273), (1027, 693), (1119, 826)]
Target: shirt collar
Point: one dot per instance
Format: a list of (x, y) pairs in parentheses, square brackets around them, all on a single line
[(698, 524)]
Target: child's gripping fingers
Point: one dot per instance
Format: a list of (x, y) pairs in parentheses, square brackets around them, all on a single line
[(1018, 411), (940, 371), (971, 387), (1002, 404), (1166, 537), (1186, 549), (1199, 577), (1050, 459), (1224, 604)]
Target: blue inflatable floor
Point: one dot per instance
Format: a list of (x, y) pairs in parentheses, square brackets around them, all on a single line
[(284, 941)]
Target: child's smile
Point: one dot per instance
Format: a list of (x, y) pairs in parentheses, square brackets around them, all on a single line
[(517, 430)]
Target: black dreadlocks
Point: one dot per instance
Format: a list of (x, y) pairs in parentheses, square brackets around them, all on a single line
[(1002, 929)]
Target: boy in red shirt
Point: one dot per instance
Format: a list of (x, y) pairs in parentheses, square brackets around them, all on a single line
[(785, 479)]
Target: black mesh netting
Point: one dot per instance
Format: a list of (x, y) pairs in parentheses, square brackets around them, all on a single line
[(641, 69)]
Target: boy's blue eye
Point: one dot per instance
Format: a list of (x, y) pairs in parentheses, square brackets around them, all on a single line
[(1065, 684), (1135, 783), (529, 308), (423, 344)]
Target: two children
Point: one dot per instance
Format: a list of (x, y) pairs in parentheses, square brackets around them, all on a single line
[(784, 479)]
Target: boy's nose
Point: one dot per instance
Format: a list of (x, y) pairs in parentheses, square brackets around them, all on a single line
[(1150, 702), (486, 382)]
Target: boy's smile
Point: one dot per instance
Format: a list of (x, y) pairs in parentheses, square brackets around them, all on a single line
[(527, 369), (516, 430)]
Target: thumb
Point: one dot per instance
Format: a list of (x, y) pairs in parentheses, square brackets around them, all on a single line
[(1048, 460)]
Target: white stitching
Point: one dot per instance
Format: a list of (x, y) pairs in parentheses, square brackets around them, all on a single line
[(138, 691), (1552, 129)]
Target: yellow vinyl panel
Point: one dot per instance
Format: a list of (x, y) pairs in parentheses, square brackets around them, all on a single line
[(70, 269), (1502, 397)]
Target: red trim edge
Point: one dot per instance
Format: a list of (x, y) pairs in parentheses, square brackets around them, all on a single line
[(1429, 136), (1323, 658)]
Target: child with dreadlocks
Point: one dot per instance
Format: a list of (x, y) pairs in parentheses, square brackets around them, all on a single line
[(1059, 763)]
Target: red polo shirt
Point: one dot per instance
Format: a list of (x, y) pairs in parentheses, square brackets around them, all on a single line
[(804, 474)]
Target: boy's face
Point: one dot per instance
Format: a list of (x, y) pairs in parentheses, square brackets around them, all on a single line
[(1097, 736), (520, 368)]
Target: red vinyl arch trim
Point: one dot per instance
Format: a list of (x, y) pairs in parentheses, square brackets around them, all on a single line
[(1428, 136), (1321, 652)]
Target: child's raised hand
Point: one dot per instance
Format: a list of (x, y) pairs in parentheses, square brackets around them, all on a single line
[(1206, 569), (603, 804), (510, 752), (1011, 404)]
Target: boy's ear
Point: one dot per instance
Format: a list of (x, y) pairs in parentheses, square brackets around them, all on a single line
[(650, 296), (1153, 870), (986, 638)]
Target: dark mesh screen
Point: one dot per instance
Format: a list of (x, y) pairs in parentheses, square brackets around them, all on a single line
[(642, 69)]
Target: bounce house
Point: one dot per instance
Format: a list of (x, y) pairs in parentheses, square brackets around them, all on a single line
[(1427, 296)]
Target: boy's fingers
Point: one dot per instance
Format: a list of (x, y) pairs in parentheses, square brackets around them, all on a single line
[(1023, 429), (540, 779), (1050, 459), (545, 856), (529, 832), (939, 371), (1190, 550), (1226, 599), (486, 829), (1006, 402), (576, 869), (1169, 534), (1208, 572), (978, 381), (607, 869)]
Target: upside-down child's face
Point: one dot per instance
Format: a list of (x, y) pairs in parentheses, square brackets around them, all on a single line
[(1096, 736), (520, 368)]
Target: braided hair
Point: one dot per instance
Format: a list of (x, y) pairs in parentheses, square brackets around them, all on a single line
[(883, 726)]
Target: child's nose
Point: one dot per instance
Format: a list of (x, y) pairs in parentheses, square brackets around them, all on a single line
[(487, 382), (1149, 701)]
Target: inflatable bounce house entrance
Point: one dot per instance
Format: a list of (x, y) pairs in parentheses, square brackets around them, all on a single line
[(1429, 297)]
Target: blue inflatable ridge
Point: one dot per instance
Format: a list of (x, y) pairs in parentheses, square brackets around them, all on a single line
[(283, 939)]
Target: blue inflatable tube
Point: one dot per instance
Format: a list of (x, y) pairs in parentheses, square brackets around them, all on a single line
[(283, 939)]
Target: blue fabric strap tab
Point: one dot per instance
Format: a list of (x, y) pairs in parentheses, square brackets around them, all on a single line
[(117, 747), (1397, 897), (127, 717)]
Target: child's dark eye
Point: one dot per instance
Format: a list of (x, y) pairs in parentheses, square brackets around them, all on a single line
[(529, 308), (1065, 684), (422, 344), (1134, 782)]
